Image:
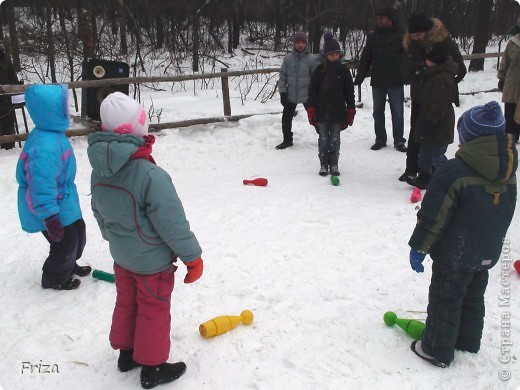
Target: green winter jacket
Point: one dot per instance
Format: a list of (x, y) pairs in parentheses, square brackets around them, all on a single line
[(136, 207), (469, 205)]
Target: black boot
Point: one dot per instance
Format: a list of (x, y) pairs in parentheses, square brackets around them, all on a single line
[(126, 360), (324, 166), (82, 270), (69, 284), (152, 376), (285, 144), (420, 181)]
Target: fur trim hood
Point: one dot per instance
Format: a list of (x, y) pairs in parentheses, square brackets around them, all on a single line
[(438, 33)]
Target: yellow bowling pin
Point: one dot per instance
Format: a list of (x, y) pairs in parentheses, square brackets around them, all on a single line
[(223, 324)]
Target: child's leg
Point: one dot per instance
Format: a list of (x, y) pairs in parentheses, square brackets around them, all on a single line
[(79, 225), (152, 331), (335, 144), (473, 310), (438, 155), (445, 302), (60, 263), (125, 311)]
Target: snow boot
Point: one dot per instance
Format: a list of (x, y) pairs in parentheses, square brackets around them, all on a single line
[(333, 159), (409, 175), (69, 284), (126, 361), (421, 181), (284, 144), (416, 348), (152, 376), (82, 270), (324, 166)]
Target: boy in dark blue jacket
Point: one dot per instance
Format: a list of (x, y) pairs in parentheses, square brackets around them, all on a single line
[(462, 224)]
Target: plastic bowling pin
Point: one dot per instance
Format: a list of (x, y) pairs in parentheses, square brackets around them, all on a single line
[(416, 195), (516, 264), (413, 327), (334, 180), (223, 324), (259, 181), (102, 275)]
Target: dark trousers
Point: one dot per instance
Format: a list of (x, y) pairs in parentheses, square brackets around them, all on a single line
[(7, 126), (511, 126), (396, 99), (430, 157), (455, 312), (60, 263), (412, 154), (287, 117)]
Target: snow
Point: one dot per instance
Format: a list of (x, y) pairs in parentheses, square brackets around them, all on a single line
[(318, 265)]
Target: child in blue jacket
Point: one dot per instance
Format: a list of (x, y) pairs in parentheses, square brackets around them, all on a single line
[(47, 197)]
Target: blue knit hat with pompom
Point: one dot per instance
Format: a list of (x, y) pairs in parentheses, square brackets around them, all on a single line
[(481, 121), (330, 45)]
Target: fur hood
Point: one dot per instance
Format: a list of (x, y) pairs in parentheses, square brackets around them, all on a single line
[(438, 33)]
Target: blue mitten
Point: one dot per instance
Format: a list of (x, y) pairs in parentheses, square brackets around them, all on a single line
[(416, 259)]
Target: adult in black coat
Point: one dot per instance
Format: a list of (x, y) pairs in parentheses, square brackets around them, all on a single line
[(382, 56)]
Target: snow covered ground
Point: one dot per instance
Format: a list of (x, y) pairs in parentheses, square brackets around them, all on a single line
[(318, 265)]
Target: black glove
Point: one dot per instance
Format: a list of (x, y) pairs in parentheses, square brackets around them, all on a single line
[(283, 98)]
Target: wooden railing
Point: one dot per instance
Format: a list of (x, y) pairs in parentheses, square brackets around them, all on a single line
[(92, 126)]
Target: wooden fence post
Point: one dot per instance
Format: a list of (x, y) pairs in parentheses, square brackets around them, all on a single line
[(225, 94)]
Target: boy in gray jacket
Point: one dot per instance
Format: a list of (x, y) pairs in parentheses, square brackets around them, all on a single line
[(141, 216), (293, 85)]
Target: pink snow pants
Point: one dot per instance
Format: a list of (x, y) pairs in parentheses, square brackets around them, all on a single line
[(141, 319)]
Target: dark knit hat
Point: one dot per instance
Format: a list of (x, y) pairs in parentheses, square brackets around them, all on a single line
[(330, 45), (419, 22), (481, 121), (299, 36), (386, 11), (438, 53)]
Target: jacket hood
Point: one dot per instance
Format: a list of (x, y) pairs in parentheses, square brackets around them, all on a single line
[(494, 157), (109, 152), (438, 33), (48, 106), (449, 66)]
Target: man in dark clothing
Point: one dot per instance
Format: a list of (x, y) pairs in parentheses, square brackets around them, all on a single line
[(422, 33), (462, 224), (7, 117), (382, 55)]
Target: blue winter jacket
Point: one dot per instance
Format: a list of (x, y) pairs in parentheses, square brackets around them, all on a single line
[(47, 167)]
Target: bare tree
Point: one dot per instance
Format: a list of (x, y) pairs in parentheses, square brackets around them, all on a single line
[(485, 7)]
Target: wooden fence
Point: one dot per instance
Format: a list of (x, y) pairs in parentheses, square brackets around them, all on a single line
[(224, 75)]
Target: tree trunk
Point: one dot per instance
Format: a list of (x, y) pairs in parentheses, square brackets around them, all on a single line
[(195, 42), (277, 25), (70, 58), (122, 26), (481, 33), (13, 35), (51, 54)]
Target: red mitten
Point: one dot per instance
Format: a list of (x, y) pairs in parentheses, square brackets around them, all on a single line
[(351, 113), (311, 114), (54, 228), (194, 271)]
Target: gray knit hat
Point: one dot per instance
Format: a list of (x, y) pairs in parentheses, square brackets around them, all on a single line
[(299, 36)]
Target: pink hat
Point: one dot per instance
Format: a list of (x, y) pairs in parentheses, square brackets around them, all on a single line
[(123, 115)]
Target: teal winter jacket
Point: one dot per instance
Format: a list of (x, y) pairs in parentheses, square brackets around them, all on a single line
[(136, 207), (469, 205)]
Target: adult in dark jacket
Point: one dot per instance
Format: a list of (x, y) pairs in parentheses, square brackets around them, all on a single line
[(434, 128), (382, 56), (422, 33), (293, 85), (331, 104), (462, 224), (7, 116)]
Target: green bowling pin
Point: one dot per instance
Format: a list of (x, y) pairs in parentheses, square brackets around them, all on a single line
[(413, 327)]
